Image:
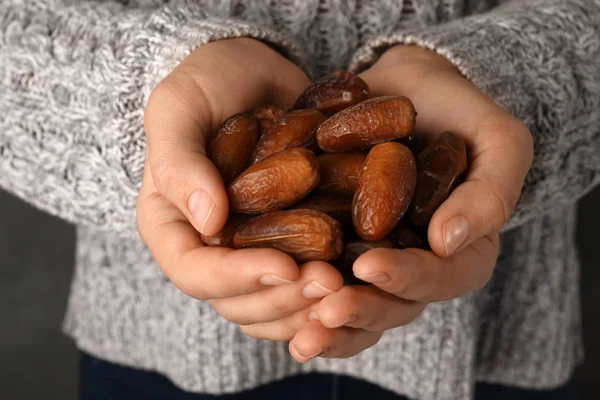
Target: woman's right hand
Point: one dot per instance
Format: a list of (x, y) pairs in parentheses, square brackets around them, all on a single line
[(183, 194)]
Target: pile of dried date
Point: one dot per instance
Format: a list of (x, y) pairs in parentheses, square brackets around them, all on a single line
[(333, 177)]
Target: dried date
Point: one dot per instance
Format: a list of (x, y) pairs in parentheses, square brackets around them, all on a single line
[(233, 145), (340, 172), (274, 183), (334, 92), (225, 237), (306, 235), (267, 116), (334, 205), (366, 124), (295, 129), (385, 188), (440, 166)]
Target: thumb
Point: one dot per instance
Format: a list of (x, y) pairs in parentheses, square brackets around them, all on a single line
[(177, 125), (480, 206)]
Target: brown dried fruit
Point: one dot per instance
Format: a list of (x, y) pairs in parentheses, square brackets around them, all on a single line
[(274, 183), (373, 121), (267, 116), (385, 188), (334, 92), (441, 165), (305, 235), (336, 206), (340, 172), (406, 237), (233, 145), (353, 250), (225, 237), (327, 203), (295, 129)]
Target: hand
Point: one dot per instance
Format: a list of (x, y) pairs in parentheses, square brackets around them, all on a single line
[(182, 192), (463, 233)]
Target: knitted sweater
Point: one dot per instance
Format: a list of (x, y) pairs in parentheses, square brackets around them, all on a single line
[(74, 78)]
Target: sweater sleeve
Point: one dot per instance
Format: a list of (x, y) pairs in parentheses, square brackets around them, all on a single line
[(540, 60), (74, 79)]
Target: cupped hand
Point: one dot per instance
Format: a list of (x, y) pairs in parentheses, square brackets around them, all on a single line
[(183, 195), (463, 232)]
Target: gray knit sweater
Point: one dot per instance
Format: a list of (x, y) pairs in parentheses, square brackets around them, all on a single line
[(74, 77)]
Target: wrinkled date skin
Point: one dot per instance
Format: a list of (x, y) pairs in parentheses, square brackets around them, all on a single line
[(232, 147), (335, 205), (406, 237), (267, 116), (385, 188), (353, 250), (327, 203), (306, 235), (340, 172), (441, 165), (334, 92), (225, 237), (274, 183), (366, 124), (295, 129)]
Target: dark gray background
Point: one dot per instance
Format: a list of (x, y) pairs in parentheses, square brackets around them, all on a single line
[(36, 265)]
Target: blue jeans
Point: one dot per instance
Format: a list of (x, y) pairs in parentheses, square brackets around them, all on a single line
[(101, 380)]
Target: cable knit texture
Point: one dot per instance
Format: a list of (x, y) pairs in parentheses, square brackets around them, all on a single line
[(74, 78)]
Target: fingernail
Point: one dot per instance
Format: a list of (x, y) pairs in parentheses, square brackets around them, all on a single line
[(320, 353), (455, 232), (272, 280), (313, 316), (315, 290), (201, 206), (377, 278), (349, 320)]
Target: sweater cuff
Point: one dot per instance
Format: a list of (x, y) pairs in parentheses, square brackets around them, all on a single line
[(172, 33), (485, 48)]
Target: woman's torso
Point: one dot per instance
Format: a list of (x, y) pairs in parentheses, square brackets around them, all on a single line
[(123, 309)]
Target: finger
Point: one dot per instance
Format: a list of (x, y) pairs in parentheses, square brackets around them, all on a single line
[(422, 276), (281, 330), (184, 111), (366, 307), (317, 341), (179, 120), (205, 272), (317, 279), (501, 156), (376, 310)]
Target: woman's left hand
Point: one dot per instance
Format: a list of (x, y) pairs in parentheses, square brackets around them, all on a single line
[(463, 232)]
